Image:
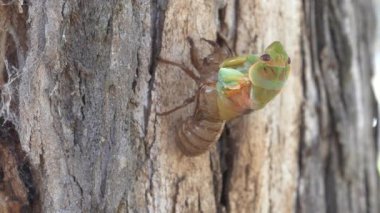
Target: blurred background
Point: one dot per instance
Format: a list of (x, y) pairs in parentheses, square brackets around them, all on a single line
[(376, 77)]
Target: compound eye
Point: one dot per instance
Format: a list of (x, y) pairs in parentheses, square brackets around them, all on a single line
[(265, 57), (289, 61)]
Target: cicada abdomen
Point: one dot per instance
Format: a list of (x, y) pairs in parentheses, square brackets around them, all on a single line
[(204, 128)]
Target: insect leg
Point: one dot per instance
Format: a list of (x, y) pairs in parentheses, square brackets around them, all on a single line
[(229, 52), (225, 45), (212, 43), (182, 67), (185, 103), (197, 63)]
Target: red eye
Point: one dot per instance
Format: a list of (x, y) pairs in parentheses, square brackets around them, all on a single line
[(289, 61), (265, 57)]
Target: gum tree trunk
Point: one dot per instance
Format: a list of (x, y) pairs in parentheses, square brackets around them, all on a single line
[(81, 88)]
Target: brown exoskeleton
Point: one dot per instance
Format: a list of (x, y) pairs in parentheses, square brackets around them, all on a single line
[(204, 127)]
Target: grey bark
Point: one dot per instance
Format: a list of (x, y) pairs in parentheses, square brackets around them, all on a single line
[(82, 87), (337, 156)]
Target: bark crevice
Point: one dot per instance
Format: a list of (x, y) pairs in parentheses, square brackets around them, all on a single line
[(158, 20)]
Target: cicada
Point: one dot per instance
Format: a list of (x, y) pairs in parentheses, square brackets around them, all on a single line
[(228, 87)]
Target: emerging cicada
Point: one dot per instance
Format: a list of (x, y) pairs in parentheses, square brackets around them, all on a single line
[(228, 87)]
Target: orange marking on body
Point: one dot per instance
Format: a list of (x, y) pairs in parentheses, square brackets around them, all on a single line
[(241, 96)]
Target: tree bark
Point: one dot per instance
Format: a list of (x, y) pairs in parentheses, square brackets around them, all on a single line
[(81, 87)]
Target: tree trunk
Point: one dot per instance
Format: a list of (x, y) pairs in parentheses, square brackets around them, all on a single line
[(82, 89)]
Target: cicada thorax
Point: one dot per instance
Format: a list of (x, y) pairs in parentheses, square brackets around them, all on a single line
[(248, 83), (234, 87), (204, 128), (261, 96), (267, 82)]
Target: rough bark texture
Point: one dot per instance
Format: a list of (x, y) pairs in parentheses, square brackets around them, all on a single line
[(82, 88), (338, 149)]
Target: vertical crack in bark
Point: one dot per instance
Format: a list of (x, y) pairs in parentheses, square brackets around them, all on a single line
[(137, 71), (199, 203), (176, 193), (83, 74), (229, 31), (80, 189), (367, 194), (271, 174), (215, 166), (41, 30), (13, 48), (158, 20), (138, 57), (225, 143), (335, 55), (312, 106), (329, 185), (17, 189), (341, 48), (227, 156), (111, 111), (301, 146), (151, 170), (236, 24), (157, 26), (149, 191), (223, 27)]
